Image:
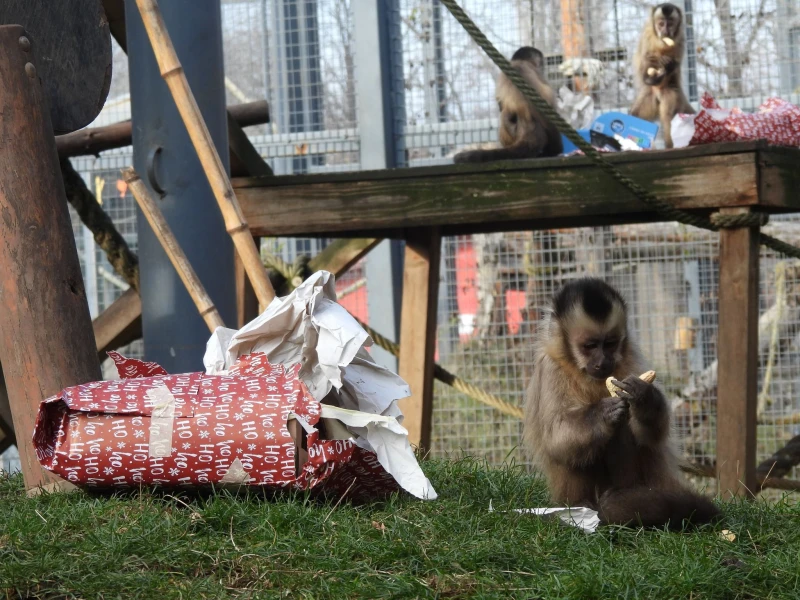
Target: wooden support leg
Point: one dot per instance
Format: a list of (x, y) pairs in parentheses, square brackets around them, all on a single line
[(246, 300), (418, 331), (737, 350), (46, 338)]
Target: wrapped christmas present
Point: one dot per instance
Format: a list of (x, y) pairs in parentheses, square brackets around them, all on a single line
[(776, 121), (291, 400)]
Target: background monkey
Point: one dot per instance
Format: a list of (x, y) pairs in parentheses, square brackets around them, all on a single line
[(657, 69), (524, 132), (612, 454)]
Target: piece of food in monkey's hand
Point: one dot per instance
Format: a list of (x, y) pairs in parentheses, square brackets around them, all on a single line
[(651, 71), (668, 41), (647, 376)]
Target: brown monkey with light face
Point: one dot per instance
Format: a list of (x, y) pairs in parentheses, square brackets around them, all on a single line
[(524, 132), (657, 69), (609, 453)]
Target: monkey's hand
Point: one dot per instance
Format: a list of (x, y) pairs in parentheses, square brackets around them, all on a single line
[(614, 410), (634, 390)]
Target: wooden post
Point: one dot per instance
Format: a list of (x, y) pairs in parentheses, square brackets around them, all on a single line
[(418, 330), (737, 351), (172, 73), (246, 300), (46, 338), (173, 250)]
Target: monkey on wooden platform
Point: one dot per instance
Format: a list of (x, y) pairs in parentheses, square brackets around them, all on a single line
[(657, 69), (524, 132), (610, 453)]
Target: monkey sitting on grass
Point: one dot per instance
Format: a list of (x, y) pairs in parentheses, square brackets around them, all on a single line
[(610, 452)]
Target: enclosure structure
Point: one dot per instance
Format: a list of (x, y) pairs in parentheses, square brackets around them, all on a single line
[(318, 66)]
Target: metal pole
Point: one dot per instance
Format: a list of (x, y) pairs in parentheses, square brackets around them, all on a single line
[(380, 119), (174, 334)]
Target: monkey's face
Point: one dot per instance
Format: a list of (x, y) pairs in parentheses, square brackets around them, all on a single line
[(667, 21), (597, 353)]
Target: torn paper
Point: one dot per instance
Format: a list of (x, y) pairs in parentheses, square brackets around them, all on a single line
[(577, 516), (309, 328)]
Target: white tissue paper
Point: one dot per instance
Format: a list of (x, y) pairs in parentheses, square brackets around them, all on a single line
[(577, 516), (308, 327)]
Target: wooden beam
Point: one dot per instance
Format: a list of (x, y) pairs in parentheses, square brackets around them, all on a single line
[(45, 329), (737, 392), (245, 159), (418, 331), (119, 324), (506, 195), (93, 140), (340, 255), (246, 301)]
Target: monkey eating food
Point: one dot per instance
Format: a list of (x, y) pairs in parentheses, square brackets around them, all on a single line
[(657, 69), (606, 448), (524, 132)]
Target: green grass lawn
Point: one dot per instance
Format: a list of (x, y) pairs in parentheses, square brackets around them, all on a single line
[(159, 546)]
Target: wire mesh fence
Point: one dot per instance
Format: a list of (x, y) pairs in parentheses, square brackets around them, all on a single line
[(301, 56)]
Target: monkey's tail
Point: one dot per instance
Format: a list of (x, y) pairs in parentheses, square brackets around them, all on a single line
[(648, 507)]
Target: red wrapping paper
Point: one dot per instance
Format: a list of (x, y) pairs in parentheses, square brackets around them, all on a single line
[(195, 431), (776, 121)]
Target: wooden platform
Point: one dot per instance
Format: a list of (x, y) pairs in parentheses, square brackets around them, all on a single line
[(522, 194), (421, 205)]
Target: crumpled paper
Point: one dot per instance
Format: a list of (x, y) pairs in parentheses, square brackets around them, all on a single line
[(576, 516), (776, 120), (308, 327)]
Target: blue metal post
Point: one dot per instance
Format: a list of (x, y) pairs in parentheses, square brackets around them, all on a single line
[(174, 334)]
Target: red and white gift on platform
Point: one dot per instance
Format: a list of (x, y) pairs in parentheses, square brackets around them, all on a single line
[(776, 121), (249, 419)]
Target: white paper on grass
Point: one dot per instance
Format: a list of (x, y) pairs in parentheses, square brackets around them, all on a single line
[(577, 516), (308, 327)]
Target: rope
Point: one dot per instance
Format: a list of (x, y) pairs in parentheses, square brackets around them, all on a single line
[(124, 261), (439, 372), (666, 210)]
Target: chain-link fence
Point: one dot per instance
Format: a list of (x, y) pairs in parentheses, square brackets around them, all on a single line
[(302, 57)]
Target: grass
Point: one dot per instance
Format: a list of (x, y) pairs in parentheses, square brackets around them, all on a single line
[(160, 546)]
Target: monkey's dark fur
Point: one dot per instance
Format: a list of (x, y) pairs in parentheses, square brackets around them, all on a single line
[(524, 132), (611, 454)]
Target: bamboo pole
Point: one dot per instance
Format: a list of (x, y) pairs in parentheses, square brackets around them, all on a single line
[(175, 253), (235, 224)]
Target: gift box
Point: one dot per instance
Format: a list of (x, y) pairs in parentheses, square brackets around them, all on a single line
[(776, 121), (195, 430)]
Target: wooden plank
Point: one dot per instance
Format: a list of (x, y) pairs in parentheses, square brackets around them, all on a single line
[(46, 341), (498, 196), (71, 43), (418, 331), (779, 171), (737, 351), (245, 159), (340, 255), (119, 324)]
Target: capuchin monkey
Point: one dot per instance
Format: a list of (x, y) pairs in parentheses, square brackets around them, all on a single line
[(524, 132), (657, 69), (612, 454)]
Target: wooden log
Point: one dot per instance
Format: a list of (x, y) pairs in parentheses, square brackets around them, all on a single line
[(94, 140), (737, 393), (172, 73), (46, 341), (119, 324), (418, 331), (205, 306)]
